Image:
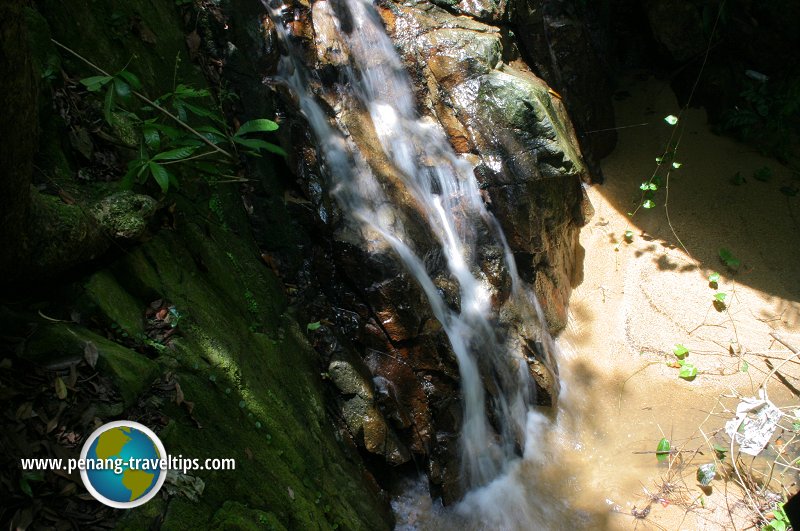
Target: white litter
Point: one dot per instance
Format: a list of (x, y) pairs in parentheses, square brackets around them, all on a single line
[(754, 424)]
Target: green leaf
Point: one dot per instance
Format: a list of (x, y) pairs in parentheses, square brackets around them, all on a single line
[(272, 148), (671, 119), (688, 371), (659, 159), (629, 236), (261, 125), (122, 89), (108, 105), (180, 109), (176, 154), (776, 525), (720, 296), (728, 259), (652, 186), (131, 79), (209, 129), (713, 277), (662, 450), (152, 138), (720, 451), (255, 143), (160, 174), (644, 186), (706, 473), (25, 487), (203, 111), (648, 204), (95, 83), (680, 351), (744, 367), (185, 91), (762, 174), (676, 165), (135, 168), (171, 132), (313, 326)]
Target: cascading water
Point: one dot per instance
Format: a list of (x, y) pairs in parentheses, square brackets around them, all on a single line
[(445, 198)]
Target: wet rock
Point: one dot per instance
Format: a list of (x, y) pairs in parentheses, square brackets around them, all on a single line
[(488, 10), (508, 124), (521, 133), (557, 43), (330, 49), (349, 376), (360, 410)]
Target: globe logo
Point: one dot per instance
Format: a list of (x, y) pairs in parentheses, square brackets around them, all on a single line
[(122, 464)]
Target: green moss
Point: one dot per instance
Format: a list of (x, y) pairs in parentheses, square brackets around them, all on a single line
[(60, 342), (236, 517), (257, 395), (145, 516), (240, 359), (184, 514), (117, 305)]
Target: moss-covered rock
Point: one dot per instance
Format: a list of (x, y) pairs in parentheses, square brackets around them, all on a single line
[(59, 344), (236, 517), (115, 303), (250, 384), (124, 214), (254, 382)]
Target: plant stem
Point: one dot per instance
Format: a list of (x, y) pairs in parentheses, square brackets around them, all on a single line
[(148, 101)]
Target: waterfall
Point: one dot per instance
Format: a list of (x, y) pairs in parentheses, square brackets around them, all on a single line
[(444, 196)]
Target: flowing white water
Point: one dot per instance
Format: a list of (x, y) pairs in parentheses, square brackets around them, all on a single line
[(444, 192)]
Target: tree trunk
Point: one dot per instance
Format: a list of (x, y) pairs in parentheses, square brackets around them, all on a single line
[(18, 145)]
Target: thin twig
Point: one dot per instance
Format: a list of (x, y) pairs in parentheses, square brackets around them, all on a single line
[(149, 102)]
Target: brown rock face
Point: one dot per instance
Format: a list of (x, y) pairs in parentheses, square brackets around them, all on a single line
[(395, 373)]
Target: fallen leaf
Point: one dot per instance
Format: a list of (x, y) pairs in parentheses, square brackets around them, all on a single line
[(68, 490), (178, 394), (66, 198), (90, 354), (25, 411), (61, 388)]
